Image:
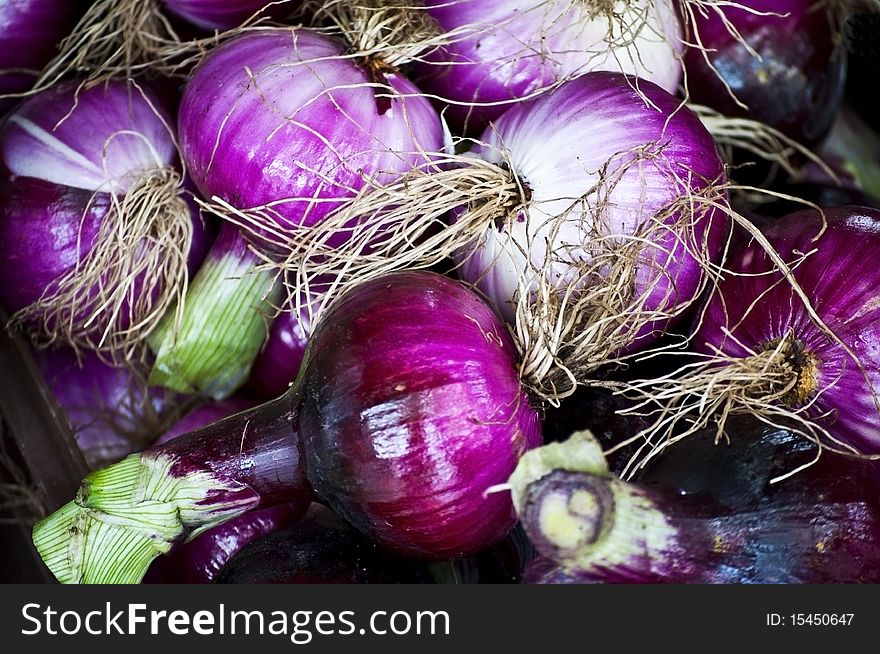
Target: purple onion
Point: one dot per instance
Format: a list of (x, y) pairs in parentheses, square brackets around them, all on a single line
[(502, 51), (278, 363), (201, 559), (408, 410), (312, 125), (796, 82), (110, 410), (225, 14), (95, 214), (320, 549), (308, 132), (560, 146), (29, 34), (757, 311), (98, 139), (704, 513)]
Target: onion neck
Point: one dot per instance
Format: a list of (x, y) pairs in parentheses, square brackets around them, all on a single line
[(228, 309), (127, 514)]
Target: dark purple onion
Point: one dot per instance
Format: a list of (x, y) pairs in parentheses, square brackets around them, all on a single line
[(110, 410), (278, 363), (199, 560), (759, 309), (320, 549), (408, 410), (709, 513), (795, 86), (30, 31)]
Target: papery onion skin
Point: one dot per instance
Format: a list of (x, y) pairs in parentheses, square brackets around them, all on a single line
[(596, 117), (237, 146), (841, 281), (224, 14), (30, 30), (97, 139), (382, 377), (110, 410), (797, 82), (200, 560), (514, 49)]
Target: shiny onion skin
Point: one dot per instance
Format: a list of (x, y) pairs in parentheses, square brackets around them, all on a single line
[(513, 49), (279, 362), (29, 33), (404, 416), (201, 559), (716, 516), (224, 14), (408, 409), (310, 127), (795, 86), (599, 117), (841, 281)]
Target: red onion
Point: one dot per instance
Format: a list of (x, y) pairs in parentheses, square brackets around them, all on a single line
[(408, 410), (795, 83), (704, 513), (502, 51), (279, 119), (29, 33), (802, 351), (94, 173), (111, 411), (201, 559)]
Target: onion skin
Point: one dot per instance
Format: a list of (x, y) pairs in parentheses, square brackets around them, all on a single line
[(199, 560), (389, 371), (797, 84), (110, 410), (722, 519), (599, 116), (223, 14), (841, 282), (381, 137), (319, 550), (29, 33), (381, 378), (515, 49), (279, 362), (47, 228), (114, 133)]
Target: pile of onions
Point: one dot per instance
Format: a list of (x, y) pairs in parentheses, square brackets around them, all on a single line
[(499, 52), (97, 233), (409, 408), (590, 236), (800, 349), (280, 122)]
